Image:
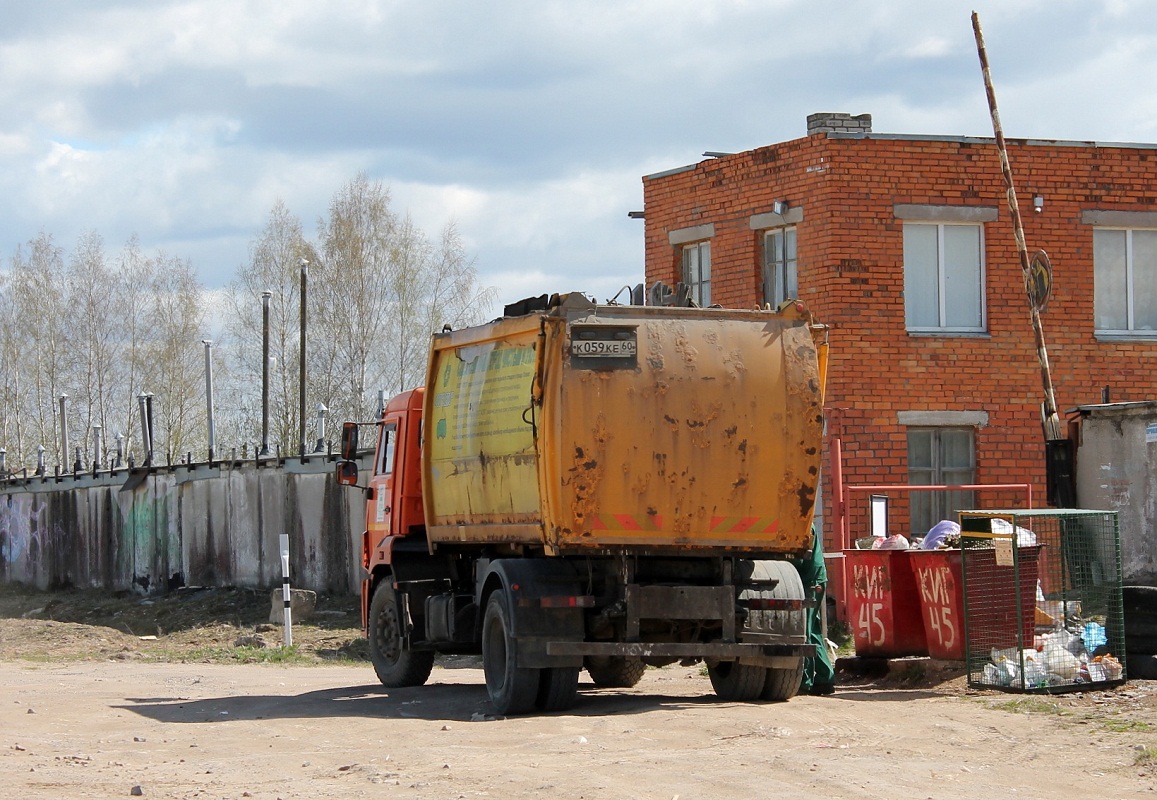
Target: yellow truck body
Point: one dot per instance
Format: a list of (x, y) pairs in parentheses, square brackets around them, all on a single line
[(588, 429)]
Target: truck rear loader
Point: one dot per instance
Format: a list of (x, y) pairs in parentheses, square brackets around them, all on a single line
[(603, 487)]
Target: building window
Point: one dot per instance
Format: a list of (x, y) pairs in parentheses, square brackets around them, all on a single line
[(1125, 281), (936, 457), (944, 277), (697, 271), (779, 266)]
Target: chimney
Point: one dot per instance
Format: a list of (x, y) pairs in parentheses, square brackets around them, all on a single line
[(827, 122)]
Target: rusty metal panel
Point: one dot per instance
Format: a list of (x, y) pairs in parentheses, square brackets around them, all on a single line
[(711, 441), (480, 461)]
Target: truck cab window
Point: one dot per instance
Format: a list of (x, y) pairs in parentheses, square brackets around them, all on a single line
[(385, 465)]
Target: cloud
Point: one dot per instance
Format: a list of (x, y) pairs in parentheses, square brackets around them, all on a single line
[(529, 122)]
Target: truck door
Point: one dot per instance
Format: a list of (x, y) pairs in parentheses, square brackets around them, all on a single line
[(379, 516)]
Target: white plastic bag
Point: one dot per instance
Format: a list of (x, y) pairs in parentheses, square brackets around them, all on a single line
[(1060, 661), (894, 542), (1024, 537)]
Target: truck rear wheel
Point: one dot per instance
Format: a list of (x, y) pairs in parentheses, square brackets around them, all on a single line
[(614, 672), (557, 688), (512, 689), (396, 665), (736, 682), (783, 682)]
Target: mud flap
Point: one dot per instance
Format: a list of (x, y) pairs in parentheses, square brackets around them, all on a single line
[(537, 590)]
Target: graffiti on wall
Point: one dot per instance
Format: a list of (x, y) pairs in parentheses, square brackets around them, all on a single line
[(213, 525)]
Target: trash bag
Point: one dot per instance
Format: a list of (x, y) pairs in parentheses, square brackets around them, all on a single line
[(942, 530), (1094, 635), (894, 542), (1024, 537)]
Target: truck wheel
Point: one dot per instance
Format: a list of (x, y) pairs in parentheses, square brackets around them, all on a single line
[(782, 684), (736, 682), (615, 672), (557, 688), (396, 665), (512, 689)]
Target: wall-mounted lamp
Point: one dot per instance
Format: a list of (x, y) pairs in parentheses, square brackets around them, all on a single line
[(637, 214), (1038, 203), (779, 207)]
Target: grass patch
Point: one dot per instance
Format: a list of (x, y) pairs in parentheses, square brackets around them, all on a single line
[(1031, 705), (1126, 725), (1146, 757), (235, 655)]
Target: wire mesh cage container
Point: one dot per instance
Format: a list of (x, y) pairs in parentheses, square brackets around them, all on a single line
[(1042, 600)]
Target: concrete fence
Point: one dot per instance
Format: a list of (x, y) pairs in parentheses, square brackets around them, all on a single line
[(198, 525)]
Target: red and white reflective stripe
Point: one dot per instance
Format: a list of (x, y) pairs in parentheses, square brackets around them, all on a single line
[(567, 601)]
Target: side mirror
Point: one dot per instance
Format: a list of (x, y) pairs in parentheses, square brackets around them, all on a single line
[(347, 472), (349, 440)]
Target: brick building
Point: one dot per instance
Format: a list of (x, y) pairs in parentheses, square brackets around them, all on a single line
[(903, 245)]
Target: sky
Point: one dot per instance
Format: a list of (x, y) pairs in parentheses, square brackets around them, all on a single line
[(527, 123)]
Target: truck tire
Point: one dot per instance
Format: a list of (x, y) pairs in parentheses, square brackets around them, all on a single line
[(737, 682), (614, 672), (396, 666), (512, 689), (1142, 599), (1141, 666), (557, 688), (781, 683)]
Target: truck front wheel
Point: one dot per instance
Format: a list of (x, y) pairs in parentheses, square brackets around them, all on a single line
[(396, 665), (512, 689)]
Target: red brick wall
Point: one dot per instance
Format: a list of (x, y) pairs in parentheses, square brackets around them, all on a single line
[(850, 247)]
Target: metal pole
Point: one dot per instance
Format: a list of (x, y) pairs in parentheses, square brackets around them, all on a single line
[(146, 441), (301, 356), (265, 373), (3, 460), (1052, 422), (96, 450), (321, 410), (209, 397), (149, 421), (286, 594), (120, 437), (40, 459), (63, 431)]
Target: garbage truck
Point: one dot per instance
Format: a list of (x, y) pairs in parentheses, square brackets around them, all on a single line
[(598, 487)]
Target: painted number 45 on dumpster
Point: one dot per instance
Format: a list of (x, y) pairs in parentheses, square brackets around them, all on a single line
[(869, 582), (935, 591)]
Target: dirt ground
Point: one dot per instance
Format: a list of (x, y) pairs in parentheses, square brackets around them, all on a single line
[(115, 697)]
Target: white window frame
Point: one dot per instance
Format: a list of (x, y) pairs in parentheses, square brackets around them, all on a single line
[(780, 286), (698, 283), (942, 277), (1130, 330), (940, 502)]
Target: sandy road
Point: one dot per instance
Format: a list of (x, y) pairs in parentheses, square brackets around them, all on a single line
[(99, 729)]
